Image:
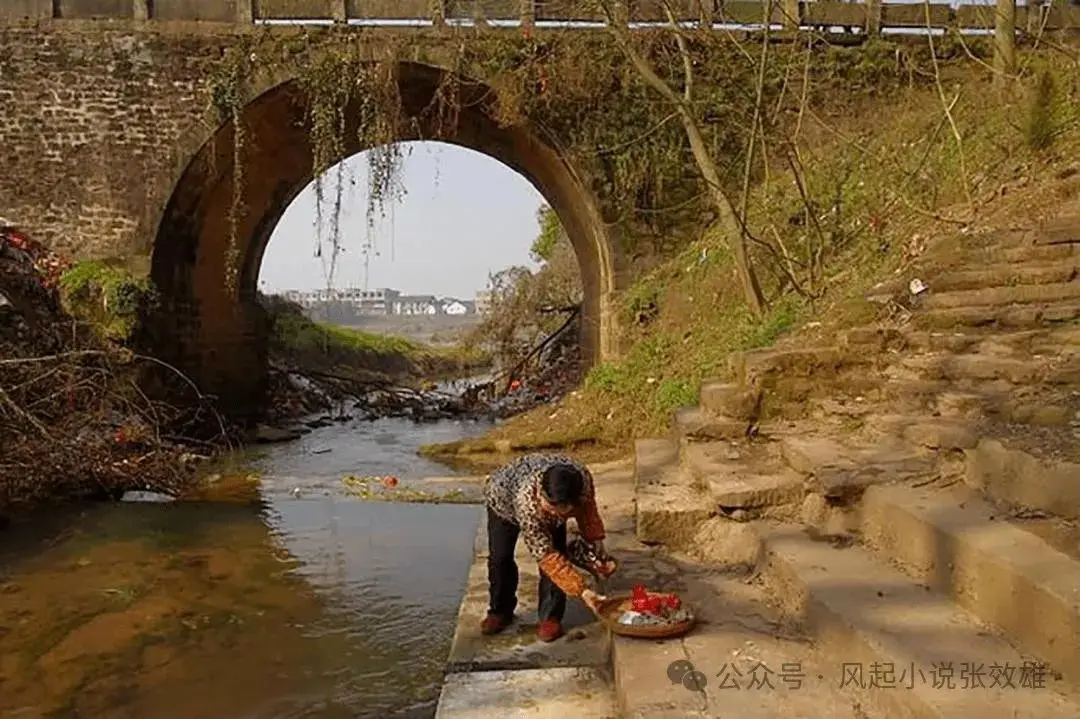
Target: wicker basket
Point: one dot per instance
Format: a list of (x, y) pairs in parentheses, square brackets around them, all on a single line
[(610, 610)]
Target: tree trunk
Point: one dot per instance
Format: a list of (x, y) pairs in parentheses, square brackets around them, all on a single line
[(729, 220), (1005, 40)]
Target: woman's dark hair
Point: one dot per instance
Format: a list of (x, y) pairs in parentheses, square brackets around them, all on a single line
[(563, 484)]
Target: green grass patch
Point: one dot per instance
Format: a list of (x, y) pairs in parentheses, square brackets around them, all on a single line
[(107, 296), (301, 334), (314, 344)]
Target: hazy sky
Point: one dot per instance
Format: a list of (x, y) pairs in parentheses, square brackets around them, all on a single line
[(465, 215)]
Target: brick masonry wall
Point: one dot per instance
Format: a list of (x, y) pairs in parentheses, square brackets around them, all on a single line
[(89, 118)]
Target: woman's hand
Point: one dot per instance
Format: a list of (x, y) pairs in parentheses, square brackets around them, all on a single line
[(605, 568), (593, 600), (607, 565)]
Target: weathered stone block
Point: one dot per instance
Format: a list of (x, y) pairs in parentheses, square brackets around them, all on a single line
[(693, 423), (671, 515), (728, 544), (862, 611), (940, 434), (730, 400), (1022, 479), (989, 566)]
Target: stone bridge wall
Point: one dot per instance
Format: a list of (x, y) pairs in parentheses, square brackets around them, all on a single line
[(92, 115)]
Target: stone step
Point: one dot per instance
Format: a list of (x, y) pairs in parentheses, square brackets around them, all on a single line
[(871, 337), (1008, 275), (916, 392), (941, 401), (695, 423), (1007, 317), (960, 405), (841, 472), (1043, 406), (652, 457), (870, 617), (784, 391), (1053, 339), (980, 367), (729, 411), (1001, 343), (730, 400), (1004, 254), (755, 367), (669, 506), (1044, 340), (941, 433), (989, 566), (743, 478), (1022, 409), (746, 666), (999, 296), (972, 241), (1016, 473), (947, 279)]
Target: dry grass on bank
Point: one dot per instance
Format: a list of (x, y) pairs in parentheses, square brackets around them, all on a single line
[(886, 176)]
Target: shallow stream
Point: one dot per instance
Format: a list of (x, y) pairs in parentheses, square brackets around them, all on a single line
[(295, 600)]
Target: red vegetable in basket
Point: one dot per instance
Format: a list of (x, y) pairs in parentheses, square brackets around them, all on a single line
[(646, 602)]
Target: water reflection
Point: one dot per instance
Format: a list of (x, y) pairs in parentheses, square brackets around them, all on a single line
[(382, 447), (316, 607)]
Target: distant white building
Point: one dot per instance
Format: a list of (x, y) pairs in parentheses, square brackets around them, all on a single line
[(454, 307), (416, 305), (373, 302), (365, 302), (383, 301)]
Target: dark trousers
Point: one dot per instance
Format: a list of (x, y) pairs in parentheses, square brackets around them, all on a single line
[(503, 571)]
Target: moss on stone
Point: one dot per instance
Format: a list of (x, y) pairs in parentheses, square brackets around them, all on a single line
[(108, 297)]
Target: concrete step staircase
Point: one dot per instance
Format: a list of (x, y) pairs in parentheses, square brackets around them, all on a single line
[(921, 518)]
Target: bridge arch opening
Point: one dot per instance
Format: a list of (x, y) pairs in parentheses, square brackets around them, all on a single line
[(453, 218), (213, 328)]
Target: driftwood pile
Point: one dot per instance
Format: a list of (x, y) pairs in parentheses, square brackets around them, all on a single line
[(73, 421)]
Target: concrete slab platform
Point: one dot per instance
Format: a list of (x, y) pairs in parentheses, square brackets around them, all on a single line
[(753, 665), (513, 674), (586, 643), (582, 693)]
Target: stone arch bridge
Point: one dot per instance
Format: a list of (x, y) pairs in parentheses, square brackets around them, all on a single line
[(110, 149)]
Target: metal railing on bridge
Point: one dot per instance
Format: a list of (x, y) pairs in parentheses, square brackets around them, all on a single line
[(872, 16)]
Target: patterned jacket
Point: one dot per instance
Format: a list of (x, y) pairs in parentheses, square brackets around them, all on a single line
[(512, 492)]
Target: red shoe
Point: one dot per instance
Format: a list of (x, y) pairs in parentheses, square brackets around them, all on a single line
[(549, 630), (493, 624)]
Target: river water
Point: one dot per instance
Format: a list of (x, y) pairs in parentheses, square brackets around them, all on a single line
[(293, 600)]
